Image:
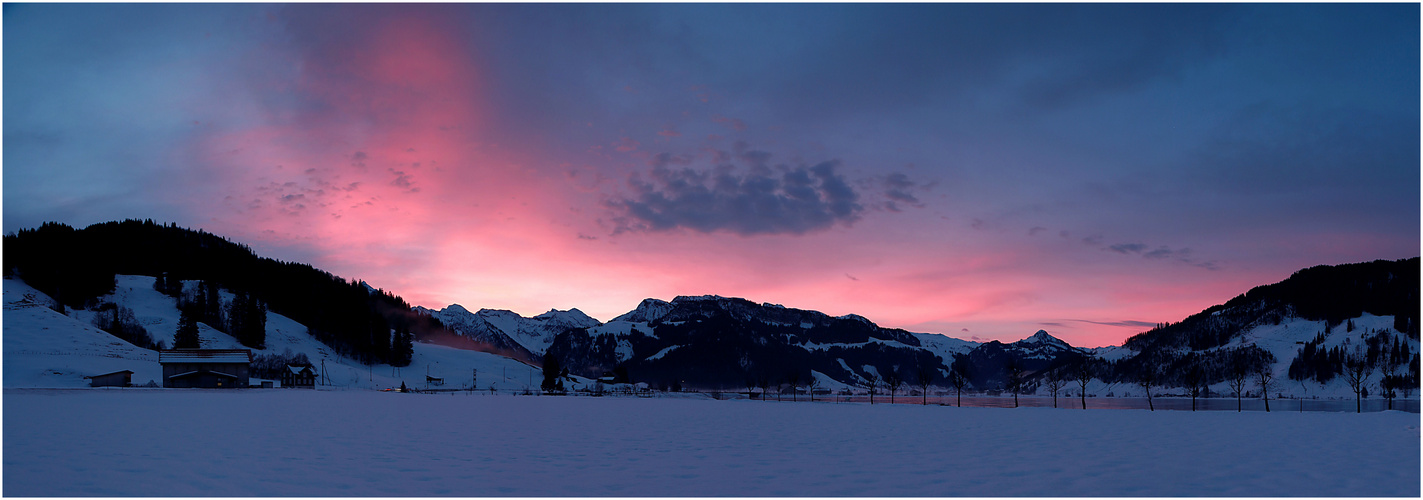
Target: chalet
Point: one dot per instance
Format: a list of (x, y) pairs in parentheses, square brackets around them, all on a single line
[(115, 379), (434, 380), (208, 368), (299, 376)]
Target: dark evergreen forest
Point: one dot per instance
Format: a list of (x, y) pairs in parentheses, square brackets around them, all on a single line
[(77, 266)]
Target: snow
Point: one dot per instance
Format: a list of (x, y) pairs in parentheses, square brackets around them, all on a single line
[(363, 443), (1113, 353), (944, 346), (44, 349), (535, 334), (1280, 340), (663, 352), (815, 346)]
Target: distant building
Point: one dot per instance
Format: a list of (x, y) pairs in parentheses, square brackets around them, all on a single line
[(115, 379), (208, 368), (299, 376)]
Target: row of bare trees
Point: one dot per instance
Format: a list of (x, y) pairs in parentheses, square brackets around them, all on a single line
[(1242, 374)]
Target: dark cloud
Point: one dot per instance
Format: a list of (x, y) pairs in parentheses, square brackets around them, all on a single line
[(1036, 229), (1183, 255), (1164, 252), (403, 180), (852, 278), (899, 189), (1124, 323), (763, 200), (1127, 248)]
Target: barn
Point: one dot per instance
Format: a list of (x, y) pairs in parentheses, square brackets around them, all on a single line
[(207, 368), (115, 379)]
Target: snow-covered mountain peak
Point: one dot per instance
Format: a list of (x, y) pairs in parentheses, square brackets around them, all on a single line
[(571, 317), (456, 309), (647, 311), (1042, 339)]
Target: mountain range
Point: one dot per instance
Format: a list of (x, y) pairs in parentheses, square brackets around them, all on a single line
[(715, 342)]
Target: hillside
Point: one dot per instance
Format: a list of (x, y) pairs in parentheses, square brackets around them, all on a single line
[(1373, 306), (77, 267), (47, 349)]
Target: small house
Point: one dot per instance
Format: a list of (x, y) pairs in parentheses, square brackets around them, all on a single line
[(299, 376), (206, 368), (115, 379), (434, 380)]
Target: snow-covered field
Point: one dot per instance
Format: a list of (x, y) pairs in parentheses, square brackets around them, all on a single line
[(286, 442)]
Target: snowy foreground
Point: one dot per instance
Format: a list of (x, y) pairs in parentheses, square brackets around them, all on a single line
[(364, 443)]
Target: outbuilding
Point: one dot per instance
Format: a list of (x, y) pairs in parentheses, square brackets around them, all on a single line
[(207, 368), (115, 379)]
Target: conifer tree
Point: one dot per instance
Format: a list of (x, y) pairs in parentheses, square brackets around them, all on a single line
[(187, 335), (551, 371), (402, 347)]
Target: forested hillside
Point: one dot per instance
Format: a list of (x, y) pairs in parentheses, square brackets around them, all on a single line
[(76, 266)]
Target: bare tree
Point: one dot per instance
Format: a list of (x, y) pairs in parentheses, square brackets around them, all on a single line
[(958, 380), (794, 378), (1195, 381), (1146, 379), (924, 376), (1264, 377), (1390, 381), (872, 383), (1015, 378), (1356, 373), (1084, 375), (1055, 382), (894, 381), (1239, 371), (812, 386)]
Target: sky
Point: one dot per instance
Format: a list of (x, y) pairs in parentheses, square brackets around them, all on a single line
[(981, 171)]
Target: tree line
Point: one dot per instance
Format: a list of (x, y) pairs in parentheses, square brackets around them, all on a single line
[(76, 267)]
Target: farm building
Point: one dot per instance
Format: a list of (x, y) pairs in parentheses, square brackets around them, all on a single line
[(299, 376), (209, 368), (115, 379)]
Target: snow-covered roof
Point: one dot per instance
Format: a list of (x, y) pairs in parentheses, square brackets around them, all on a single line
[(297, 369), (205, 356), (130, 372)]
